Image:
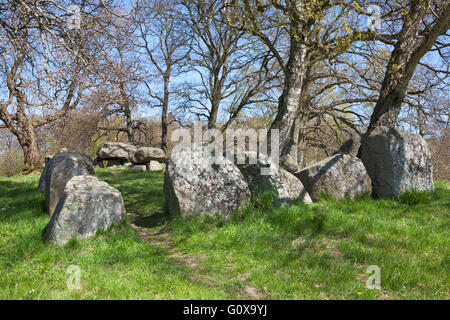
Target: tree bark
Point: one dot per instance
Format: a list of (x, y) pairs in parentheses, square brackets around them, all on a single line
[(126, 108), (28, 141), (290, 98), (165, 107), (212, 120), (26, 135)]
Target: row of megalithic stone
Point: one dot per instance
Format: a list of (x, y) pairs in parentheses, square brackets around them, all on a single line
[(391, 162), (79, 204)]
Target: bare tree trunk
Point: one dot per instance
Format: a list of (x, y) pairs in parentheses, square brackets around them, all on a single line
[(164, 120), (125, 105), (212, 120), (302, 121), (31, 153), (290, 99), (130, 129), (408, 51), (27, 138)]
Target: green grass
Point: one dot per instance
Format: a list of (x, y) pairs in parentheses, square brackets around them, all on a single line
[(319, 251)]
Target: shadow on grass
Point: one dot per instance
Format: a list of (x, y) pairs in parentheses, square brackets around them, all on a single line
[(18, 196), (142, 193), (155, 220)]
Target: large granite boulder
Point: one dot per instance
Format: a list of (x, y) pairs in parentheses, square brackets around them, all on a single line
[(284, 185), (341, 175), (116, 151), (139, 168), (194, 184), (41, 186), (144, 155), (156, 166), (86, 205), (60, 169), (397, 161)]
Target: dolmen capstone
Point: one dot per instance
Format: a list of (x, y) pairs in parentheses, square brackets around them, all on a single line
[(85, 206), (263, 176), (144, 155), (341, 175), (116, 153), (120, 154), (194, 185), (58, 171), (397, 161)]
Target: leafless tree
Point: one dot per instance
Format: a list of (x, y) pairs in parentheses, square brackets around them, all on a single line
[(44, 65), (423, 22), (230, 71), (165, 47)]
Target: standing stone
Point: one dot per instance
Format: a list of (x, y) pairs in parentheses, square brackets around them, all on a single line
[(86, 205), (341, 175), (144, 155), (193, 185), (60, 169), (48, 158), (116, 151), (285, 186), (41, 185), (139, 168), (397, 161), (156, 166)]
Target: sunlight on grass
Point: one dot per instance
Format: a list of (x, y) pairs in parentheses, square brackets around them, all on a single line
[(318, 251)]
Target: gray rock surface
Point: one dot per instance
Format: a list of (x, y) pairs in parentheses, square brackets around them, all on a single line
[(341, 175), (285, 186), (41, 185), (288, 164), (116, 151), (397, 161), (60, 169), (156, 166), (194, 185), (139, 168), (144, 155), (86, 205)]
